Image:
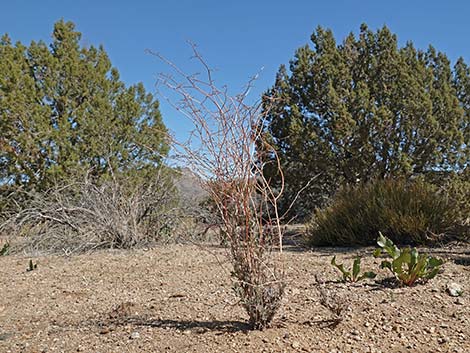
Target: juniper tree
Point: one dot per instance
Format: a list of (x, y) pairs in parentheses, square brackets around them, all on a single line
[(365, 108), (64, 112)]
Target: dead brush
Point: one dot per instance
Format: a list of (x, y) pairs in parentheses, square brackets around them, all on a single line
[(221, 151), (331, 301), (84, 216)]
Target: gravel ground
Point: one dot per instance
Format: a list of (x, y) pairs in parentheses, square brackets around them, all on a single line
[(178, 298)]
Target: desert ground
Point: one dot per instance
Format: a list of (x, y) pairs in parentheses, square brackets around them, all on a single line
[(178, 298)]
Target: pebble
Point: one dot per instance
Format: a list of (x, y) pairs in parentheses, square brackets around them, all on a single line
[(296, 345), (104, 330), (454, 289), (430, 329), (442, 340), (135, 335), (295, 291)]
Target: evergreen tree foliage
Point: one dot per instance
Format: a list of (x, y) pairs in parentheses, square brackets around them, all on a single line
[(366, 108), (65, 112)]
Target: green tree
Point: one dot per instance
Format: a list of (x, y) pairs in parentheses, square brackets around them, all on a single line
[(65, 112), (363, 109)]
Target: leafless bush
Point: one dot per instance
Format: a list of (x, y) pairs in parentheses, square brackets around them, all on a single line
[(332, 302), (222, 152), (84, 216)]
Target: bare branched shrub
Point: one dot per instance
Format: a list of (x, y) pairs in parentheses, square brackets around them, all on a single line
[(85, 216), (332, 302), (222, 152)]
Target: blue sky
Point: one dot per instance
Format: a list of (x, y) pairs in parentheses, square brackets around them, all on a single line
[(237, 37)]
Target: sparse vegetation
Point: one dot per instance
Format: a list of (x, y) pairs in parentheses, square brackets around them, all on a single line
[(335, 304), (406, 264), (5, 249), (352, 275), (365, 137), (31, 266)]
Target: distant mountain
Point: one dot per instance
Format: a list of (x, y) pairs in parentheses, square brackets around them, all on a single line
[(189, 187)]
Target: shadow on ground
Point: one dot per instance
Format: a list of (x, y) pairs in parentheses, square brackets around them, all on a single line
[(198, 326), (195, 326)]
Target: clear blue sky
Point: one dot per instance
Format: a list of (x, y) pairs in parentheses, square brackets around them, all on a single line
[(237, 37)]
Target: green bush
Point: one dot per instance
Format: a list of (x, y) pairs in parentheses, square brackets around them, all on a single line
[(407, 212), (458, 189)]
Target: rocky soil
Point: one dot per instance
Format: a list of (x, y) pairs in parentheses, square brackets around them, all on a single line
[(178, 298)]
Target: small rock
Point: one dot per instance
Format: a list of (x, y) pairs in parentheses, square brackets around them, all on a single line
[(200, 330), (296, 345), (135, 335), (459, 301), (286, 336), (355, 332), (430, 329), (295, 291), (454, 289), (104, 330), (442, 340)]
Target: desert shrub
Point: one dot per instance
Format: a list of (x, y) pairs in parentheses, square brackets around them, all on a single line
[(221, 153), (330, 300), (408, 212), (457, 187), (84, 216)]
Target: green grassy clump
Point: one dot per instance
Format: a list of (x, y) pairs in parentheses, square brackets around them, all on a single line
[(408, 212)]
